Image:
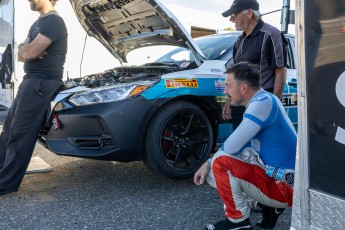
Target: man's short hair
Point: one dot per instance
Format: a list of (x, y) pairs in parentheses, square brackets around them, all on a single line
[(257, 14), (246, 72)]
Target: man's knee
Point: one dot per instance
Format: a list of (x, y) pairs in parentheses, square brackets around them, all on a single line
[(223, 154), (216, 164), (220, 155), (223, 162)]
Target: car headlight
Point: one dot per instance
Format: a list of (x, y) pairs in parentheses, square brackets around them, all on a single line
[(107, 94)]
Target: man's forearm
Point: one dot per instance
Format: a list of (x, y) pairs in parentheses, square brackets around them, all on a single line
[(24, 53), (34, 49), (279, 82), (20, 50)]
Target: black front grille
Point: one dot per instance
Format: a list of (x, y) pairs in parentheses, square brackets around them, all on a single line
[(99, 142)]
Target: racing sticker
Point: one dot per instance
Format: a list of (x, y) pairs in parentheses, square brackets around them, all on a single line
[(181, 83), (221, 99), (220, 85), (289, 99)]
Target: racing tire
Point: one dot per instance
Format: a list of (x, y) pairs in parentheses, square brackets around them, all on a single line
[(178, 141)]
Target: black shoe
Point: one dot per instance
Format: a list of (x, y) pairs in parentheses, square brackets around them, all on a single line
[(269, 217), (4, 192), (227, 225)]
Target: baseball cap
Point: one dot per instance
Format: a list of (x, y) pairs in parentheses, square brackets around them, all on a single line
[(239, 5)]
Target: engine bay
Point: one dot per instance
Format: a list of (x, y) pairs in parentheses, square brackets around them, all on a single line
[(127, 74)]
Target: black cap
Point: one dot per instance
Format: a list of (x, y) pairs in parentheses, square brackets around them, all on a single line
[(239, 5)]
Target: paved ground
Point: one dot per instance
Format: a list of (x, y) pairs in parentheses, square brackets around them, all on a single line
[(89, 194)]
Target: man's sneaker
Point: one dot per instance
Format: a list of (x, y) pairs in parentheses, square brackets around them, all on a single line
[(227, 225), (269, 217)]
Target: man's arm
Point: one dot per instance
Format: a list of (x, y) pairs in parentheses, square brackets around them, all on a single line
[(19, 58), (279, 82), (255, 119), (239, 139), (35, 49), (276, 51), (226, 111)]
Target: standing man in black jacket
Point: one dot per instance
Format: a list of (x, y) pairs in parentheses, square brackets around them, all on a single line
[(43, 53), (260, 44)]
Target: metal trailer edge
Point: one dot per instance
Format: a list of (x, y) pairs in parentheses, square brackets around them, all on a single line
[(317, 203)]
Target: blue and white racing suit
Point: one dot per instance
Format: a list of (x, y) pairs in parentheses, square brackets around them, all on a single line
[(268, 131)]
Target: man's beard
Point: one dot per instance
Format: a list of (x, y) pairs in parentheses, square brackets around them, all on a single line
[(235, 103), (34, 6), (242, 27)]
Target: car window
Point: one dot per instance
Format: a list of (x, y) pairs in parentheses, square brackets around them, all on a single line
[(214, 47), (290, 61)]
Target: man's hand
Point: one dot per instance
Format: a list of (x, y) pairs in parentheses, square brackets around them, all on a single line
[(19, 58), (41, 56), (20, 46), (200, 175), (226, 112)]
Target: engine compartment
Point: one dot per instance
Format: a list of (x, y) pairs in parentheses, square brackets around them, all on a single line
[(127, 74)]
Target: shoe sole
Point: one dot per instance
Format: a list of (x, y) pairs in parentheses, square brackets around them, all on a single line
[(211, 227)]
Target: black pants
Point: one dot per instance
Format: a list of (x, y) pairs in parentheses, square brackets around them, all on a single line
[(21, 127)]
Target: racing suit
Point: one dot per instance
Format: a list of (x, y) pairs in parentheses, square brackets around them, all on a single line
[(267, 130)]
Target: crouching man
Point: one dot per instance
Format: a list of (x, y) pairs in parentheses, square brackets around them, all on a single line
[(258, 159)]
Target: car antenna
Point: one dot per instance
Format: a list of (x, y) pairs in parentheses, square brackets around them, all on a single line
[(82, 56), (270, 12)]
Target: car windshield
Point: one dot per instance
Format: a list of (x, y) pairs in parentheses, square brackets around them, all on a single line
[(214, 47)]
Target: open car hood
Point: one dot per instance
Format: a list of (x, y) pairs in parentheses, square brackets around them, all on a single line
[(124, 25)]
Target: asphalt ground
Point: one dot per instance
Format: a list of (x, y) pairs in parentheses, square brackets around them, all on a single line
[(90, 194)]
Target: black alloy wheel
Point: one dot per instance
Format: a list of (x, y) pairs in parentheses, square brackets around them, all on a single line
[(179, 140)]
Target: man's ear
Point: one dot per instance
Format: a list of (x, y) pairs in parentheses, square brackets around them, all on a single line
[(244, 88), (250, 14)]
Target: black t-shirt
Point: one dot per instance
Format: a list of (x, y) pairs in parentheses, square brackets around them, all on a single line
[(51, 66)]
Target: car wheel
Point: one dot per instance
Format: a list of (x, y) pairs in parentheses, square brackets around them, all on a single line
[(178, 141)]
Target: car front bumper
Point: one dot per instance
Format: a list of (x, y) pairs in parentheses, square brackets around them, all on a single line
[(108, 131)]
